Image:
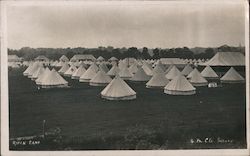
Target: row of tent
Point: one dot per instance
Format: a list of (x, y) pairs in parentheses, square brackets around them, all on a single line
[(219, 59), (44, 77), (113, 60), (171, 79)]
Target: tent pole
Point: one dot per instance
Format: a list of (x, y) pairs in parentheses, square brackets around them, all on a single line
[(44, 121)]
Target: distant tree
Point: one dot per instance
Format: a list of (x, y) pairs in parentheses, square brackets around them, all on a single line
[(116, 53), (209, 53), (55, 53), (28, 53), (178, 52), (187, 53), (109, 48), (163, 53), (145, 53), (171, 53), (14, 52), (69, 53), (132, 52), (224, 48), (138, 54), (156, 53)]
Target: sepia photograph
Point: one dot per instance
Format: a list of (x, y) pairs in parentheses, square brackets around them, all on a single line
[(124, 76)]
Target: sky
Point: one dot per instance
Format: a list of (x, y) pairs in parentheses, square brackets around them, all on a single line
[(125, 24)]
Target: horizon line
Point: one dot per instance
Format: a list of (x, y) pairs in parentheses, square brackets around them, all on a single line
[(125, 47)]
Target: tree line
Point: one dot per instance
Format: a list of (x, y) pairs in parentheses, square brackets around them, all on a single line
[(145, 53)]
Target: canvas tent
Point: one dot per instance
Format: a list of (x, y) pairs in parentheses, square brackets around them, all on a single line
[(37, 73), (169, 68), (88, 74), (130, 61), (158, 69), (197, 79), (64, 68), (226, 59), (100, 59), (41, 58), (82, 57), (133, 68), (122, 64), (54, 63), (209, 73), (42, 76), (175, 61), (103, 67), (157, 81), (179, 86), (125, 74), (191, 73), (34, 67), (94, 67), (147, 68), (26, 72), (139, 62), (71, 63), (78, 73), (140, 76), (77, 63), (53, 80), (113, 59), (60, 64), (172, 73), (187, 69), (118, 89), (159, 63), (83, 64), (100, 79), (70, 71), (232, 76), (114, 70), (64, 58)]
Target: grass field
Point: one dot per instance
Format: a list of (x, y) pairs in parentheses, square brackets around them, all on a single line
[(153, 121)]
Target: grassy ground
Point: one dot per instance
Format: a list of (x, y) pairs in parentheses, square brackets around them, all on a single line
[(154, 120)]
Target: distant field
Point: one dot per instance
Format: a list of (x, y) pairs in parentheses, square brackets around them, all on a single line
[(80, 112)]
